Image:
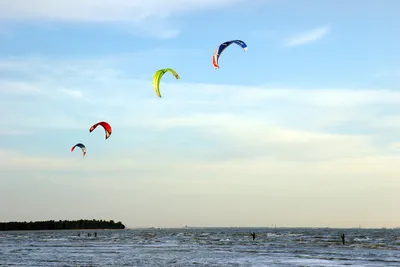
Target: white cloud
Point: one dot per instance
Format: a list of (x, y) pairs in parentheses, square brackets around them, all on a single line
[(103, 10), (389, 122), (168, 33), (18, 87), (14, 160), (396, 146), (285, 123), (249, 133), (9, 65), (73, 93), (324, 97), (246, 128), (123, 98), (231, 169), (149, 17), (308, 37)]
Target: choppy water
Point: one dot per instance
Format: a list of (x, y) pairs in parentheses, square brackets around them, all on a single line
[(202, 247)]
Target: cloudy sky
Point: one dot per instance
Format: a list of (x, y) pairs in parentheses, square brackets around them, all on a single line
[(302, 129)]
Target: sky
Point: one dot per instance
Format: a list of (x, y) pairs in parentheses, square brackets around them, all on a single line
[(301, 130)]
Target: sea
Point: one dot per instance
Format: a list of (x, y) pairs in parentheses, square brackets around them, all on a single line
[(209, 247)]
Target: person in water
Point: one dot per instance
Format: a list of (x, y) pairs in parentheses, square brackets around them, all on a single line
[(253, 234), (343, 238)]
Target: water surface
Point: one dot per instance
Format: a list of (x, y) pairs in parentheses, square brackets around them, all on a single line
[(201, 247)]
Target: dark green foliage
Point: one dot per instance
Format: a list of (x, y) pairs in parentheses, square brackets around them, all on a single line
[(60, 225)]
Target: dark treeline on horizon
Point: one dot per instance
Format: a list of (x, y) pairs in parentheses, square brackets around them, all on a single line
[(60, 225)]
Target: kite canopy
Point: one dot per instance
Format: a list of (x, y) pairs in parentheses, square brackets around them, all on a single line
[(82, 146), (221, 48), (157, 78), (105, 125)]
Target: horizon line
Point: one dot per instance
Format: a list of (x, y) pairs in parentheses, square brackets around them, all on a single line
[(253, 227)]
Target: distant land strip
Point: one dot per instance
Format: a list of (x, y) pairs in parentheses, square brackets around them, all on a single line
[(60, 225)]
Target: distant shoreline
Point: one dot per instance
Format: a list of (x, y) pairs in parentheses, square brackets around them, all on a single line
[(61, 225)]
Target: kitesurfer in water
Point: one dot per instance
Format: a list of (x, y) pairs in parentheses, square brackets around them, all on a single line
[(343, 238), (253, 234)]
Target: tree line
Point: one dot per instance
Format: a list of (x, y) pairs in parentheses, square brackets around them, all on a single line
[(60, 225)]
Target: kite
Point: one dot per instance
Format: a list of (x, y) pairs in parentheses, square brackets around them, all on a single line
[(157, 78), (221, 48), (105, 125), (82, 146)]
